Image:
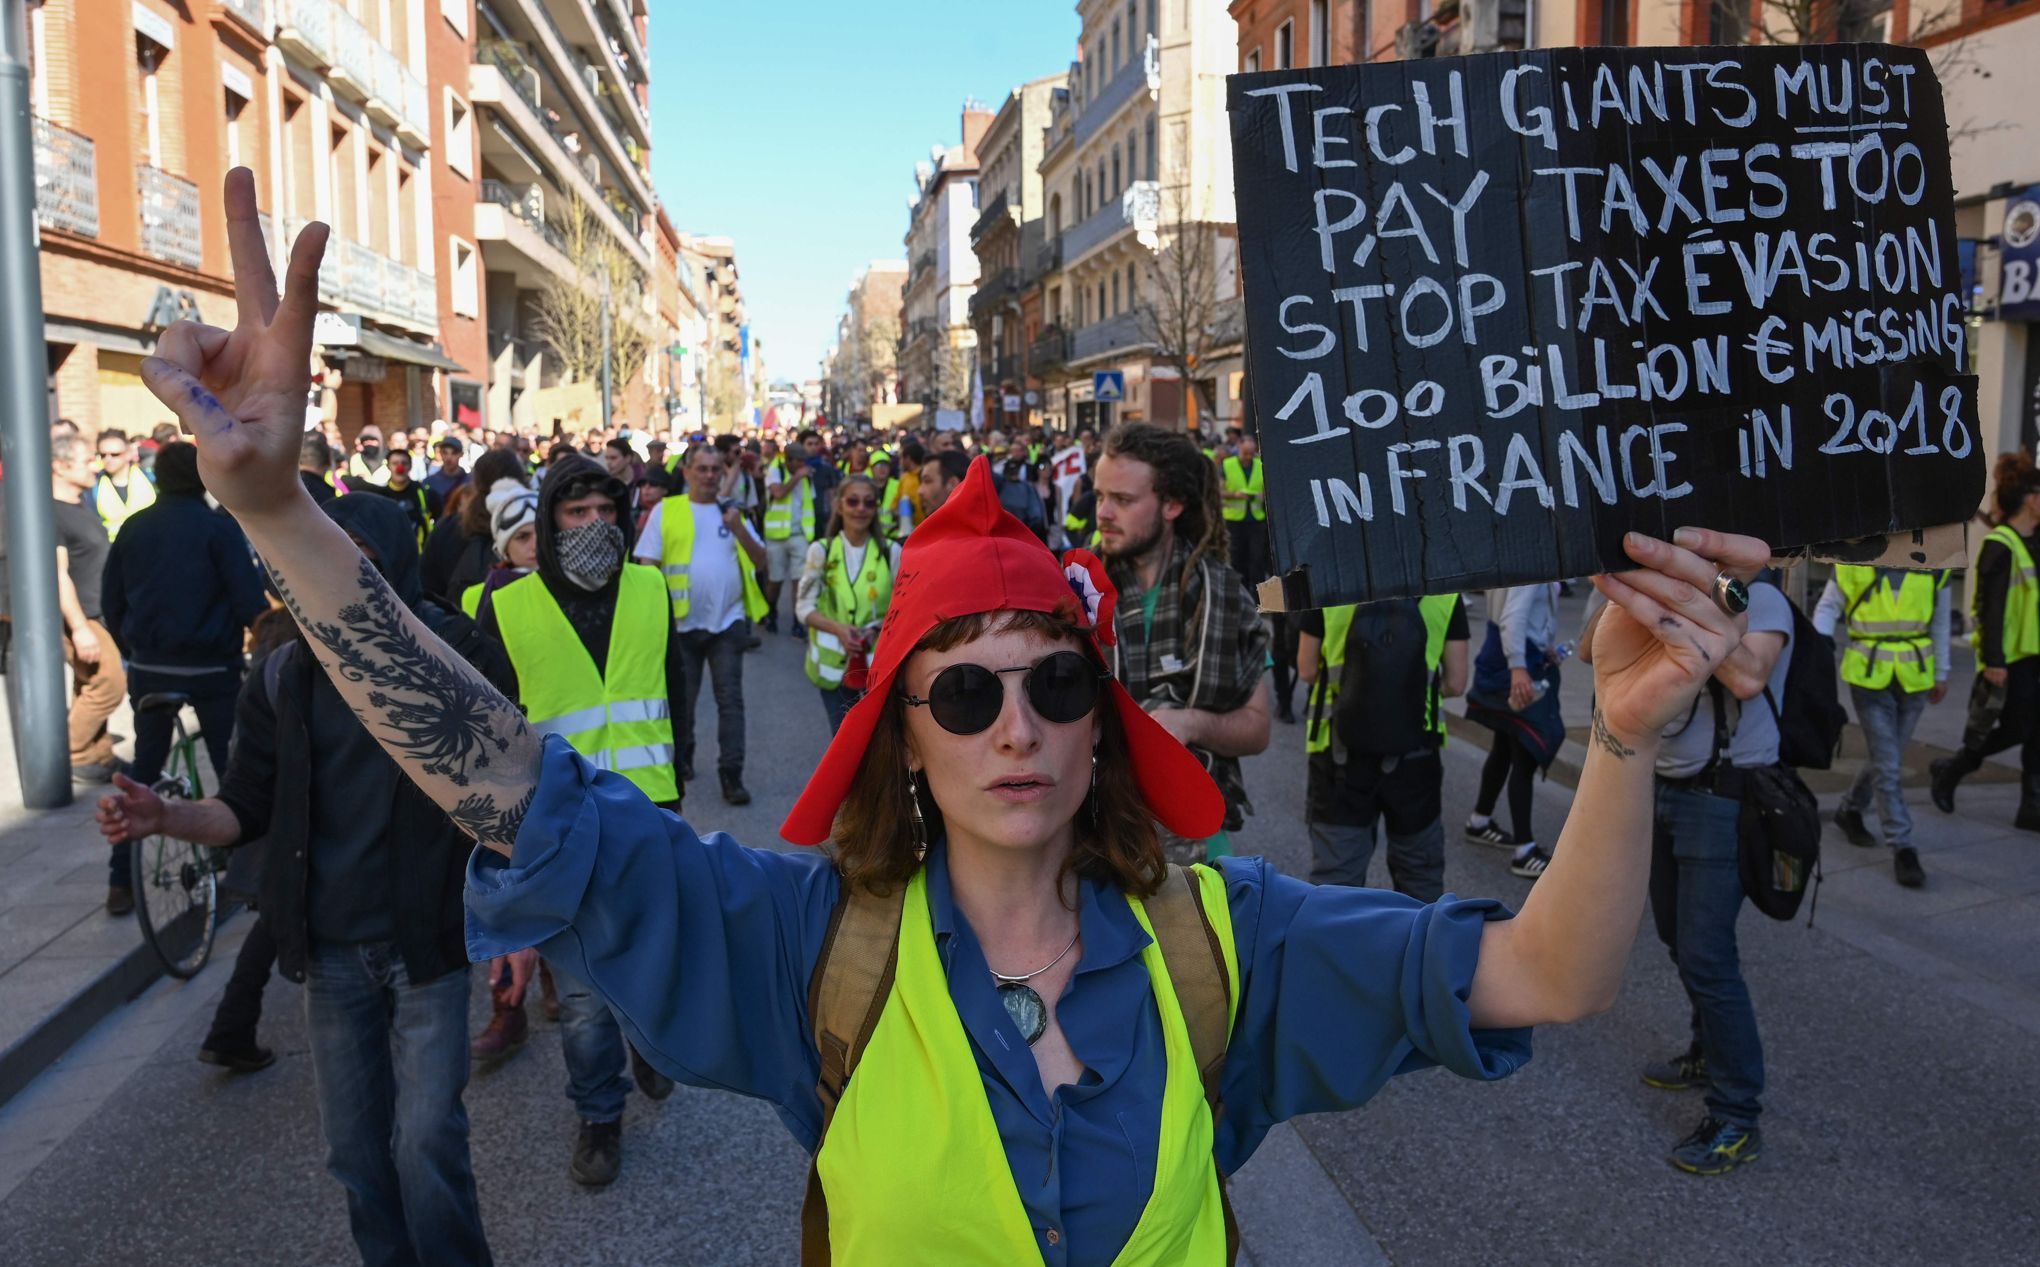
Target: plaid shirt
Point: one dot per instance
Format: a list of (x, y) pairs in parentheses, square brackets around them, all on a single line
[(1207, 649)]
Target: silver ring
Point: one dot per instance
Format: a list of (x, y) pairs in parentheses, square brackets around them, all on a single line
[(1731, 595)]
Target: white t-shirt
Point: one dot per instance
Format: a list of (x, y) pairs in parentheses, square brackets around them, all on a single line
[(715, 584)]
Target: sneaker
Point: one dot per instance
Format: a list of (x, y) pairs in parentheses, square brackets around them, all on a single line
[(1905, 864), (253, 1058), (1490, 834), (1285, 714), (1530, 865), (1716, 1147), (1686, 1071), (598, 1154), (505, 1034), (733, 790), (120, 900), (1853, 827), (1945, 781), (655, 1085)]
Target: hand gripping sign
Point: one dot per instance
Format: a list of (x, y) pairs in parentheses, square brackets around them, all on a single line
[(1502, 309)]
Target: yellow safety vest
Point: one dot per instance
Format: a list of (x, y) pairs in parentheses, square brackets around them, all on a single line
[(779, 510), (889, 508), (115, 507), (676, 550), (2022, 600), (1890, 634), (471, 599), (858, 602), (1236, 481), (1324, 693), (619, 719), (357, 469), (913, 1168)]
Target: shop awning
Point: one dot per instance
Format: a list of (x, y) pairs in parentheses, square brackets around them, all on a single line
[(391, 348)]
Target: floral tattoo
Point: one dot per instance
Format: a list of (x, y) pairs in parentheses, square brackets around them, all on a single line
[(1607, 740)]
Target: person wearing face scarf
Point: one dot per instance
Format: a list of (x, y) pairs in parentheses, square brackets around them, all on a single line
[(596, 661), (369, 465)]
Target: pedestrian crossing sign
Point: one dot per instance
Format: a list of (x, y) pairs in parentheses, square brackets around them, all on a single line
[(1109, 386)]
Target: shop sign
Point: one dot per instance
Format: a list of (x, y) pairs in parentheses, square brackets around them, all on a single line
[(170, 307), (2019, 258)]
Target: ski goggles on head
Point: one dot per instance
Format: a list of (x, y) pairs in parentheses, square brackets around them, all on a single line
[(965, 699)]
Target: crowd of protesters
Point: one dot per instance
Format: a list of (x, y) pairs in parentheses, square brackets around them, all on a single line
[(600, 578)]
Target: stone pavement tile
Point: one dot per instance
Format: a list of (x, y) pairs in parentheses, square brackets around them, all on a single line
[(35, 988), (1871, 889), (30, 927), (2001, 939), (99, 936), (1290, 1212), (2008, 864)]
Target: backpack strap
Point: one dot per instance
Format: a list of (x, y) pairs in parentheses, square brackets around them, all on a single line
[(1197, 971), (852, 980)]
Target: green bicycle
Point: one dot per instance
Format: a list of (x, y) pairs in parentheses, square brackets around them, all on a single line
[(176, 882)]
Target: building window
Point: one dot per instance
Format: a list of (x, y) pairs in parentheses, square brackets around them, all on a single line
[(464, 283), (1366, 40), (1728, 21), (1102, 312), (1115, 186), (150, 54), (1115, 294), (1614, 22), (1285, 45), (238, 91), (1132, 156), (1253, 62), (1152, 162), (1320, 33), (1864, 21), (1055, 215), (1131, 289), (1114, 63), (1151, 17), (460, 136)]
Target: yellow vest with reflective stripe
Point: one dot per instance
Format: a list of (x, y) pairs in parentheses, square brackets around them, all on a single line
[(2021, 639), (889, 508), (113, 507), (1890, 634), (1236, 481), (676, 549), (779, 510), (619, 719), (858, 602), (913, 1167), (471, 599), (1324, 693)]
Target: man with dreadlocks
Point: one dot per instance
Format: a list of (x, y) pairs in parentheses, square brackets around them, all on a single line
[(1191, 642)]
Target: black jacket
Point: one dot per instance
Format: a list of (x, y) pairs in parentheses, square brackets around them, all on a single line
[(272, 771), (181, 589)]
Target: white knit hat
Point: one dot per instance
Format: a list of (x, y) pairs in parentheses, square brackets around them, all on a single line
[(511, 506)]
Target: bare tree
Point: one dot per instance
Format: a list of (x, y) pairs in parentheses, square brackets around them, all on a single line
[(1177, 309), (723, 388), (866, 365), (952, 376), (568, 315)]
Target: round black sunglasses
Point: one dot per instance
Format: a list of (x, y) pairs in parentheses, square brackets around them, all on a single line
[(965, 699)]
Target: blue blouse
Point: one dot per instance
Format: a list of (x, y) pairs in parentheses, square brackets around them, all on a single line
[(704, 948)]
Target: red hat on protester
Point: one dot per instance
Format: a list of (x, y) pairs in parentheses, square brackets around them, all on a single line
[(973, 556)]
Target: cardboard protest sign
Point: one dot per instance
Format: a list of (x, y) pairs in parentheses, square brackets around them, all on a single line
[(1502, 309)]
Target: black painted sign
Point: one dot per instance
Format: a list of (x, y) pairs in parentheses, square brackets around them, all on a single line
[(1502, 309)]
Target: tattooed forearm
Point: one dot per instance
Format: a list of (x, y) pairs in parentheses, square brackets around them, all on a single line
[(452, 732), (1607, 740)]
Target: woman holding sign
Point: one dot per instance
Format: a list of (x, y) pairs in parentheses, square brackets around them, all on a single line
[(1043, 1017)]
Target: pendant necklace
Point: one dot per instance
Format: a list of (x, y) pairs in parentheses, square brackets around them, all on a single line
[(1029, 1013)]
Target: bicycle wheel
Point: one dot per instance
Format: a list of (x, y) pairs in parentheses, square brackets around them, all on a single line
[(176, 895)]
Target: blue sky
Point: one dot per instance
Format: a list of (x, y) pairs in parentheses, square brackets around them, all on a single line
[(793, 126)]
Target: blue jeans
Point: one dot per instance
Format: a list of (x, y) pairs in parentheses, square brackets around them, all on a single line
[(592, 1043), (1887, 718), (722, 655), (837, 703), (390, 1060), (1696, 894)]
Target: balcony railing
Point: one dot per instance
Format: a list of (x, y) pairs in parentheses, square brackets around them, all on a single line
[(995, 212), (306, 28), (924, 262), (66, 180), (358, 66), (1139, 209), (1133, 79), (527, 203), (1050, 350), (353, 69), (1109, 335), (508, 57), (992, 294), (1042, 260), (169, 216), (254, 12), (522, 351), (364, 279)]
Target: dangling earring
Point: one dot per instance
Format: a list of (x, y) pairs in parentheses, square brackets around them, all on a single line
[(1091, 799), (914, 812)]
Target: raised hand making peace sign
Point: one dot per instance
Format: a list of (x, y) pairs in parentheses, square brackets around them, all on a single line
[(241, 393)]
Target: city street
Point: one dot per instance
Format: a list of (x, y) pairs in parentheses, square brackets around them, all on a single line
[(1899, 1125)]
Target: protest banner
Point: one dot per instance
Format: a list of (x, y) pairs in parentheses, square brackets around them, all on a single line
[(1502, 309)]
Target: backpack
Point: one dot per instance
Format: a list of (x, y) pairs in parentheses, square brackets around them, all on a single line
[(853, 979), (1810, 717), (1385, 681)]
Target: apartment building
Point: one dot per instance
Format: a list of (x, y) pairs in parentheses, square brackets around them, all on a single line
[(1137, 155), (142, 105), (556, 110), (862, 367), (728, 363), (1979, 49), (1007, 238), (942, 272)]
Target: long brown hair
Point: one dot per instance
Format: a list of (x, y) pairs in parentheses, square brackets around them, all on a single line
[(1115, 833), (2014, 479), (496, 464), (1184, 475)]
